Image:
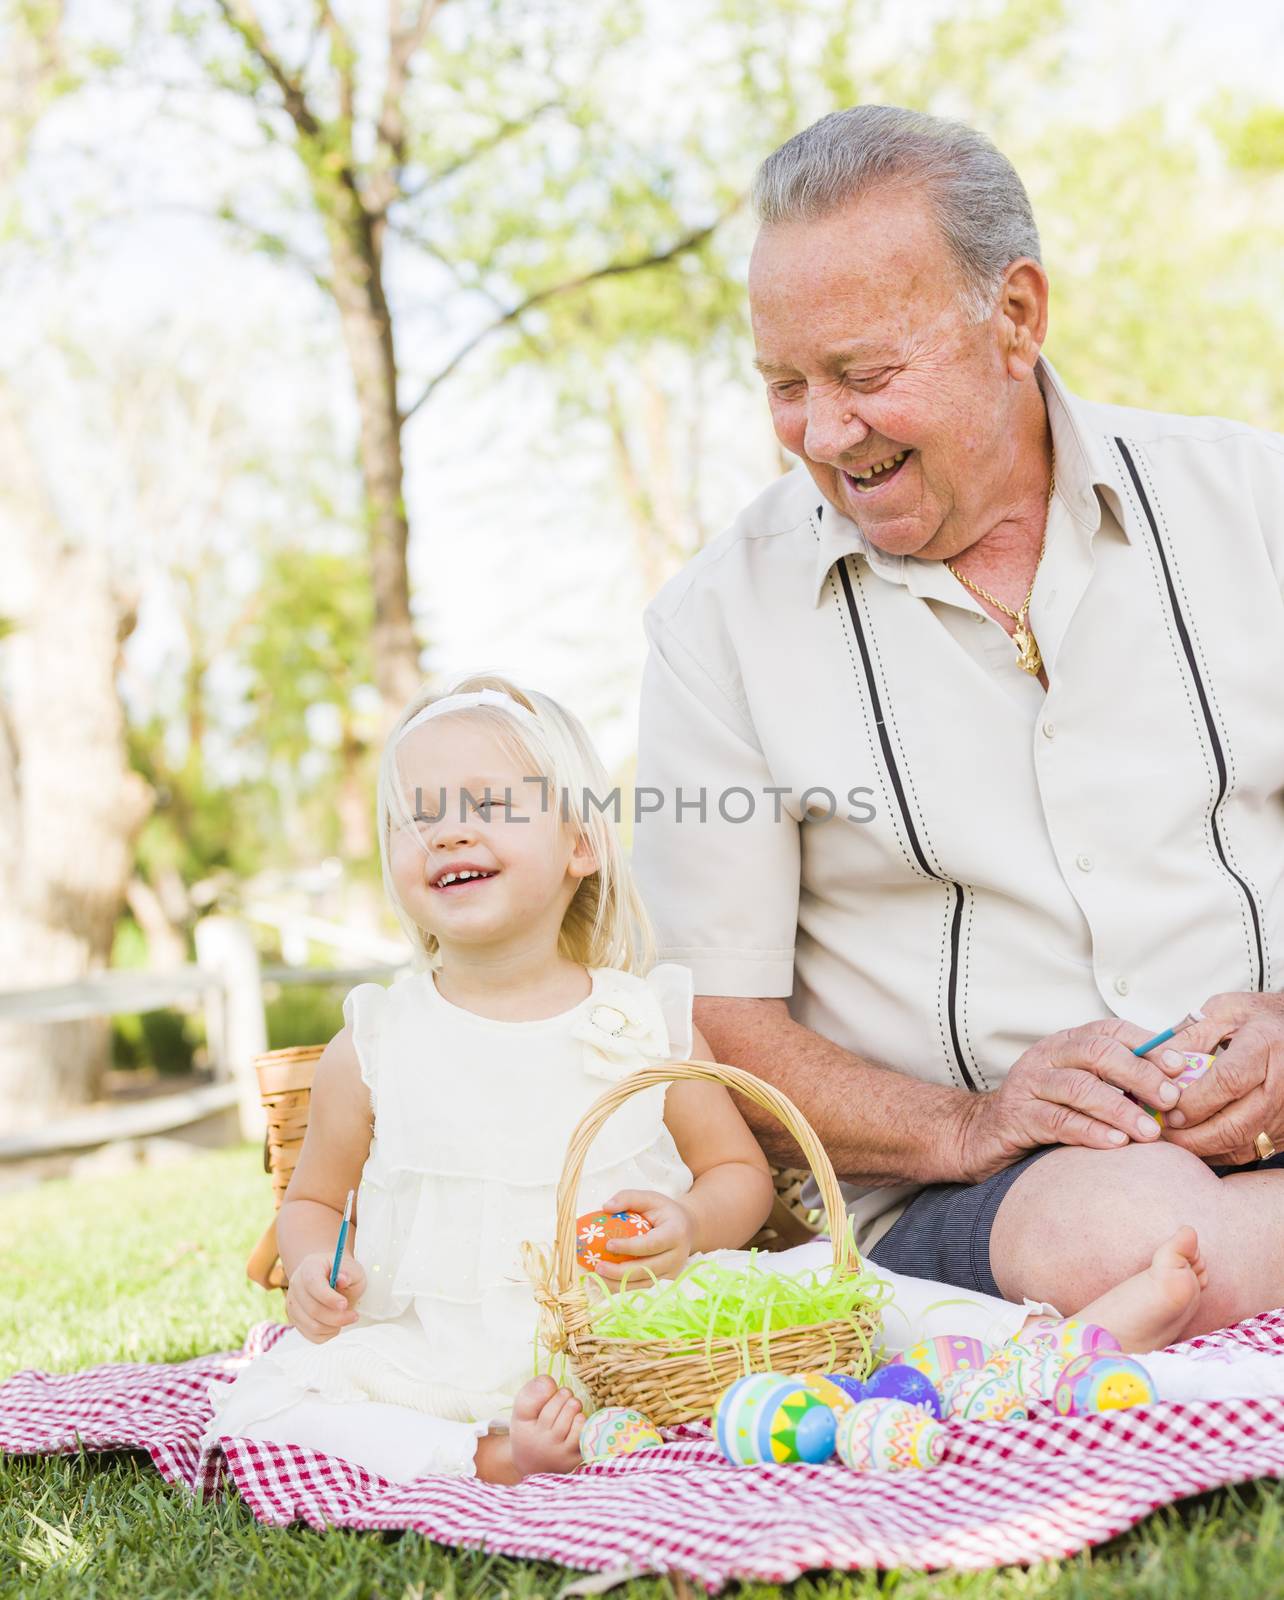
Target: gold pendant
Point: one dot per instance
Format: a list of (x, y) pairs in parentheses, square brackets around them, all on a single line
[(1028, 657)]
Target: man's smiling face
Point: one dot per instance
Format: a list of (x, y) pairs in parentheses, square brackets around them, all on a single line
[(859, 315)]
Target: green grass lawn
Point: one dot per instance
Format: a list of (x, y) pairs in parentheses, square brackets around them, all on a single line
[(150, 1267)]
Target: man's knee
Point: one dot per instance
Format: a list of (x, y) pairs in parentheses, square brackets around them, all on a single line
[(1079, 1221)]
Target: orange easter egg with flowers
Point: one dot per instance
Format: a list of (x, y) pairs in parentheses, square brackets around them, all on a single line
[(595, 1230)]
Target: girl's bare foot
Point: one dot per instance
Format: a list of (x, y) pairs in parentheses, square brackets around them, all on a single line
[(1150, 1309), (543, 1435)]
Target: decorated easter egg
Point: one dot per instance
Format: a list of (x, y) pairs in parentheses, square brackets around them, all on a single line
[(1093, 1383), (616, 1431), (905, 1383), (938, 1358), (1049, 1365), (1068, 1338), (1197, 1064), (595, 1230), (986, 1396), (889, 1436), (951, 1388), (768, 1417), (829, 1391), (1018, 1364), (849, 1385)]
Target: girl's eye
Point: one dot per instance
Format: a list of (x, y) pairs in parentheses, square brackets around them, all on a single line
[(485, 807)]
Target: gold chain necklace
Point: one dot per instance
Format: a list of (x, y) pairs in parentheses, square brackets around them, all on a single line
[(1028, 657)]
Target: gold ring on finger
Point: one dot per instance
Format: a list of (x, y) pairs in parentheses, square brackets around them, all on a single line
[(1264, 1146)]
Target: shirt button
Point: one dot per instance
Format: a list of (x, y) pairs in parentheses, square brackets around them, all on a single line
[(1049, 732), (1084, 863), (981, 618), (1121, 986)]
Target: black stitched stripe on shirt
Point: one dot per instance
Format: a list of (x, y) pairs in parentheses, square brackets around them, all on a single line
[(893, 772), (1214, 738)]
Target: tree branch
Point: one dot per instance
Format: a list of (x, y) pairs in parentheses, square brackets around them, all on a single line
[(614, 269), (343, 58), (483, 147), (240, 16), (402, 44)]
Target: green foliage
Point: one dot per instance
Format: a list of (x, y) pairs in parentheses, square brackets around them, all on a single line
[(1254, 138), (303, 1014), (163, 1040)]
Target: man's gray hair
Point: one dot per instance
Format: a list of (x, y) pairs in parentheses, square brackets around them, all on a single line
[(980, 202)]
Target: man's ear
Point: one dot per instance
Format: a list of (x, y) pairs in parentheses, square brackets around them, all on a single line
[(1023, 303)]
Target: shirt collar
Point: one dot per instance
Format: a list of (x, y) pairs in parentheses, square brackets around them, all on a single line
[(1082, 467)]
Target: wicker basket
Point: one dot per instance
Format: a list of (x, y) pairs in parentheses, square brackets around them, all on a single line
[(672, 1381), (285, 1087)]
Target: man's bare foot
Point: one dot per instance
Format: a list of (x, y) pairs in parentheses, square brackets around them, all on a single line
[(1150, 1309), (543, 1435)]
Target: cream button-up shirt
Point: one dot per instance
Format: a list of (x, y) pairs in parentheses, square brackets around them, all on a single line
[(855, 798)]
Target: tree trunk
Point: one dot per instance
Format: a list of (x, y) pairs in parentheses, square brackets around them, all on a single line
[(70, 808), (358, 290)]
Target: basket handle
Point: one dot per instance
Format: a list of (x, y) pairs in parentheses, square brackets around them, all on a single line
[(744, 1083)]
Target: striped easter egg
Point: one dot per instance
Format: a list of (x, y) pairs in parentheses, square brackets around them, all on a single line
[(767, 1417)]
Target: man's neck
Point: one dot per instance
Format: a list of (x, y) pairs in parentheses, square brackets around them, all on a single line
[(1004, 553)]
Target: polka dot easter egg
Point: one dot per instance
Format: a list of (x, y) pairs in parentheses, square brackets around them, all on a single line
[(595, 1230), (948, 1353), (849, 1385), (616, 1431), (766, 1417), (905, 1383), (829, 1391), (889, 1436), (1094, 1383)]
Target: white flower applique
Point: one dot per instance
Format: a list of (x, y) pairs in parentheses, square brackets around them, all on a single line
[(625, 1030)]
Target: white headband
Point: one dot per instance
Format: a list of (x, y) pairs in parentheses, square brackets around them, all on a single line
[(464, 702)]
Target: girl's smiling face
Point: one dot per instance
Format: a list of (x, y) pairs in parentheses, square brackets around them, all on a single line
[(485, 860)]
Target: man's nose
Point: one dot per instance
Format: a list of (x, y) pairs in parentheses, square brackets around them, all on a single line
[(833, 428)]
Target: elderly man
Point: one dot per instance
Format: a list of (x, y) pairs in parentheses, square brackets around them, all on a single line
[(968, 743)]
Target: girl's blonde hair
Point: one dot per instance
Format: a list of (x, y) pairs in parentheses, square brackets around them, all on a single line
[(606, 924)]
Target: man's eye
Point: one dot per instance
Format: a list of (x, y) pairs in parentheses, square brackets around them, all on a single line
[(787, 391)]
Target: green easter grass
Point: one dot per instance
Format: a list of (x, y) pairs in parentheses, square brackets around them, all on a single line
[(150, 1267)]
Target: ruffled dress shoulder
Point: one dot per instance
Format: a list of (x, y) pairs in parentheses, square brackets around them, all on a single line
[(472, 1118)]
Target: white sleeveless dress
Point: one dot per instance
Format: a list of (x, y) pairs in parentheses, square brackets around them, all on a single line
[(471, 1123)]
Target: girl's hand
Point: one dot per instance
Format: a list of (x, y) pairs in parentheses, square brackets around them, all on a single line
[(664, 1251), (317, 1310)]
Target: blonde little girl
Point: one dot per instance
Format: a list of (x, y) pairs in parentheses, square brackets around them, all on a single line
[(447, 1101)]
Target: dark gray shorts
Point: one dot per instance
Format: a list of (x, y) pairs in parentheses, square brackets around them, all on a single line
[(944, 1232)]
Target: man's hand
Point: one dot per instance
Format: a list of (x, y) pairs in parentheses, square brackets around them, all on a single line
[(664, 1251), (1242, 1093), (1068, 1089), (317, 1310)]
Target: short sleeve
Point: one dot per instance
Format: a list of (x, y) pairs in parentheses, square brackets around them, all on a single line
[(363, 1013), (674, 987), (722, 892)]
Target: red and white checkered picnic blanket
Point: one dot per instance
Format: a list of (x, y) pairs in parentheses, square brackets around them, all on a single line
[(1006, 1492)]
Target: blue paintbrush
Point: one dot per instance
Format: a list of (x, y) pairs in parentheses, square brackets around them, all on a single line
[(343, 1239)]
